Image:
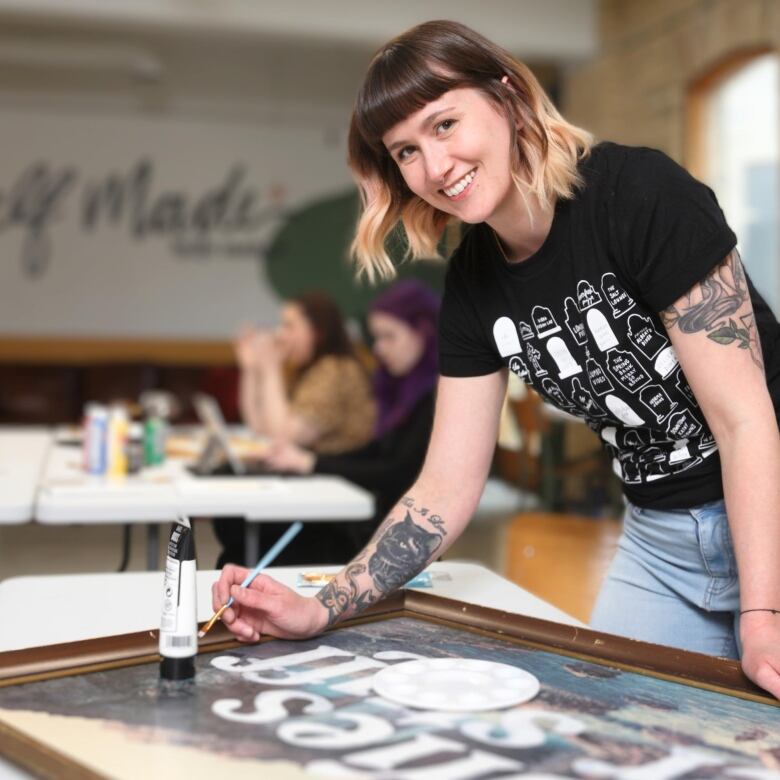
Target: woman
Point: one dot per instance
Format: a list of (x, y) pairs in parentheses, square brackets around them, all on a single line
[(328, 406), (607, 278), (402, 323)]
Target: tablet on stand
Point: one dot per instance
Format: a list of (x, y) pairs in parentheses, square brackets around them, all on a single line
[(217, 447)]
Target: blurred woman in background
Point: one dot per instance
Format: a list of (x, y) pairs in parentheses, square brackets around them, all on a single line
[(327, 403), (301, 384), (403, 326)]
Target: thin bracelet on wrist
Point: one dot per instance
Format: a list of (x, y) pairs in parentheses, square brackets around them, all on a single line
[(773, 611)]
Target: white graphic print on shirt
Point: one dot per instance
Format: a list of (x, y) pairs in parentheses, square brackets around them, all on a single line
[(619, 300), (612, 366)]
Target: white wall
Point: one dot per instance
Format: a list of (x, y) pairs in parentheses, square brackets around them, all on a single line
[(138, 274)]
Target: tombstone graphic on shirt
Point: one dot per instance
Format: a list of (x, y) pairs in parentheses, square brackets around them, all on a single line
[(631, 440), (645, 336), (618, 299), (573, 322), (683, 425), (559, 352), (680, 452), (666, 362), (682, 385), (654, 460), (544, 322), (658, 437), (706, 440), (600, 328), (684, 465), (654, 397), (655, 454), (623, 411), (526, 331), (505, 336), (626, 368), (706, 445), (584, 399), (587, 295), (631, 472), (600, 383), (656, 470), (517, 366), (609, 434), (709, 449), (551, 389), (533, 355)]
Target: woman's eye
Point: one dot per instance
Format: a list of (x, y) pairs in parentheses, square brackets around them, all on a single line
[(447, 124), (405, 153)]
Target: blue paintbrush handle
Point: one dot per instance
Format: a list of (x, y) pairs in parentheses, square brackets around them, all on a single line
[(269, 557)]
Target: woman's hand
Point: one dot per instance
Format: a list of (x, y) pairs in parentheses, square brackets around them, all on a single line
[(243, 346), (265, 607), (760, 633), (286, 456), (266, 350)]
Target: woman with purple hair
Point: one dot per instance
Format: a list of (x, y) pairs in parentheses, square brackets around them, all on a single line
[(403, 325)]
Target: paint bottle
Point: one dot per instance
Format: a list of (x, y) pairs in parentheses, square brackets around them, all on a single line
[(95, 438), (155, 433), (179, 621), (118, 423), (135, 448)]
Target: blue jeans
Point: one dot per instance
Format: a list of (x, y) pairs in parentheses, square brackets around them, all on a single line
[(674, 581)]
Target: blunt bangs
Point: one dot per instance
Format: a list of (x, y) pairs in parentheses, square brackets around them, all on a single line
[(400, 83)]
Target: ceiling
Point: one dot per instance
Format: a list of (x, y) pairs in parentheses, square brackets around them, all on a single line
[(553, 31)]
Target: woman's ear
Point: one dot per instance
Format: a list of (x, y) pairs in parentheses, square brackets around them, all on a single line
[(518, 120)]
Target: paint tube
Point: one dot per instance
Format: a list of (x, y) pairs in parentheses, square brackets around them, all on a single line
[(179, 622)]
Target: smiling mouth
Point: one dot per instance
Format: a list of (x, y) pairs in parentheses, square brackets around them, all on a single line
[(460, 186)]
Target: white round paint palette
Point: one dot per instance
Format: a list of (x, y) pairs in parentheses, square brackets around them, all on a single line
[(455, 684)]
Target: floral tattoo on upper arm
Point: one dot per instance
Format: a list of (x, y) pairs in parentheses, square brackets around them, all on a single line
[(712, 305)]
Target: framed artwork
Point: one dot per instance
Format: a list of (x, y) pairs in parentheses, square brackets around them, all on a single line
[(608, 707)]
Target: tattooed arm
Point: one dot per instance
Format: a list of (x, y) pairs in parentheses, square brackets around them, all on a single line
[(719, 306), (417, 531), (716, 340), (439, 505)]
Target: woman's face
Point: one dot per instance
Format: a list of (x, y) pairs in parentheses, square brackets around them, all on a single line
[(454, 153), (296, 335), (398, 346)]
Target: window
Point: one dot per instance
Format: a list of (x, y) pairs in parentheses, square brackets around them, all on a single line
[(735, 150)]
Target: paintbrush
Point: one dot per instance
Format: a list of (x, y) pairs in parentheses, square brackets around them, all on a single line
[(264, 562)]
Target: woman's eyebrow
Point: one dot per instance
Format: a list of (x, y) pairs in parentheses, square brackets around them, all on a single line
[(430, 119)]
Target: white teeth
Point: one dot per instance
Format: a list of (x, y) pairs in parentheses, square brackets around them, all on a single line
[(458, 187)]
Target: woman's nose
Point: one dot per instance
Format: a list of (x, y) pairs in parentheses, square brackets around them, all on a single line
[(438, 164)]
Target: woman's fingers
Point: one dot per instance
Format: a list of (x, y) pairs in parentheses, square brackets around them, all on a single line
[(249, 597), (244, 630), (220, 590)]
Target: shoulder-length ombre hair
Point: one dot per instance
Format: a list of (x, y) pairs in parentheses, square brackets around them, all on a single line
[(408, 73)]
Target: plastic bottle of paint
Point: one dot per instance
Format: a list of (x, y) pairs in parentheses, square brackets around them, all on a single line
[(95, 438), (135, 448), (155, 433), (118, 423), (179, 621)]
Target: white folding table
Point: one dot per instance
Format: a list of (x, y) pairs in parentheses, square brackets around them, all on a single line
[(22, 455), (157, 495), (58, 608)]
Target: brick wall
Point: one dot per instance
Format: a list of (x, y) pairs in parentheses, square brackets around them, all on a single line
[(652, 51)]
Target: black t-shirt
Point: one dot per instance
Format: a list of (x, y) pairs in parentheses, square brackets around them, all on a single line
[(578, 320)]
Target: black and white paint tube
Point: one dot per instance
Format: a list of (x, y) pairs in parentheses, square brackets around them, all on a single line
[(179, 621)]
